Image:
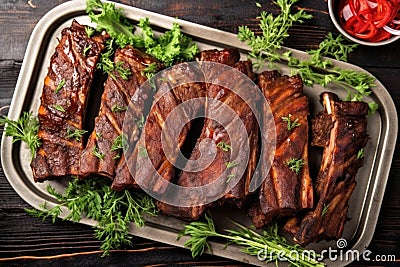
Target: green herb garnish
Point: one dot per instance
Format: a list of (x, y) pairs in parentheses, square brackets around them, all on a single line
[(142, 151), (152, 68), (58, 107), (325, 210), (295, 165), (372, 107), (170, 47), (230, 177), (123, 72), (268, 245), (24, 129), (75, 133), (89, 31), (112, 20), (59, 86), (119, 142), (117, 108), (86, 50), (291, 124), (141, 122), (105, 63), (224, 146), (97, 153), (231, 164), (274, 32), (94, 199), (360, 153), (52, 213)]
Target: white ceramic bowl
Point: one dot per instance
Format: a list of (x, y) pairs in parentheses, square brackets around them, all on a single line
[(333, 12)]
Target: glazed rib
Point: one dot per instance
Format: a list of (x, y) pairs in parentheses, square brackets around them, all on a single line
[(212, 130), (117, 96), (154, 159), (347, 125), (283, 191), (63, 107)]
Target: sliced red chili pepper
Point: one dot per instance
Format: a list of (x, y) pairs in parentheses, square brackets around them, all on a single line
[(367, 34), (384, 11), (380, 36), (355, 25)]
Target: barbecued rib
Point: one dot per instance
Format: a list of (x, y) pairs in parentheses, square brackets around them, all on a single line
[(103, 152), (63, 102), (284, 191), (148, 160), (219, 134), (339, 165), (175, 86)]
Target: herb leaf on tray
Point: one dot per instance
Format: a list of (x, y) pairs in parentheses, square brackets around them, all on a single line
[(94, 199), (268, 245), (24, 129)]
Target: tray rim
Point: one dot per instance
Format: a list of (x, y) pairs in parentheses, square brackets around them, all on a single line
[(387, 110)]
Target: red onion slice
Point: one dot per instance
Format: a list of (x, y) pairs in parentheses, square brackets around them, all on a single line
[(392, 31)]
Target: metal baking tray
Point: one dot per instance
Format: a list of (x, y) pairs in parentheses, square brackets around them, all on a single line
[(365, 202)]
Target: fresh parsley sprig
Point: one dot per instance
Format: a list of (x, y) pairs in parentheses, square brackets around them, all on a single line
[(295, 165), (224, 146), (173, 46), (59, 86), (268, 245), (107, 65), (112, 20), (94, 199), (274, 32), (231, 164), (58, 107), (318, 69), (75, 133), (24, 129), (291, 124), (123, 72), (169, 48), (119, 142), (89, 31)]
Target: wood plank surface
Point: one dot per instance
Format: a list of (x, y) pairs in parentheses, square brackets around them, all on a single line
[(27, 241)]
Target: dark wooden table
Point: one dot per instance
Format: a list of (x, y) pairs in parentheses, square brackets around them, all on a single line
[(27, 241)]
